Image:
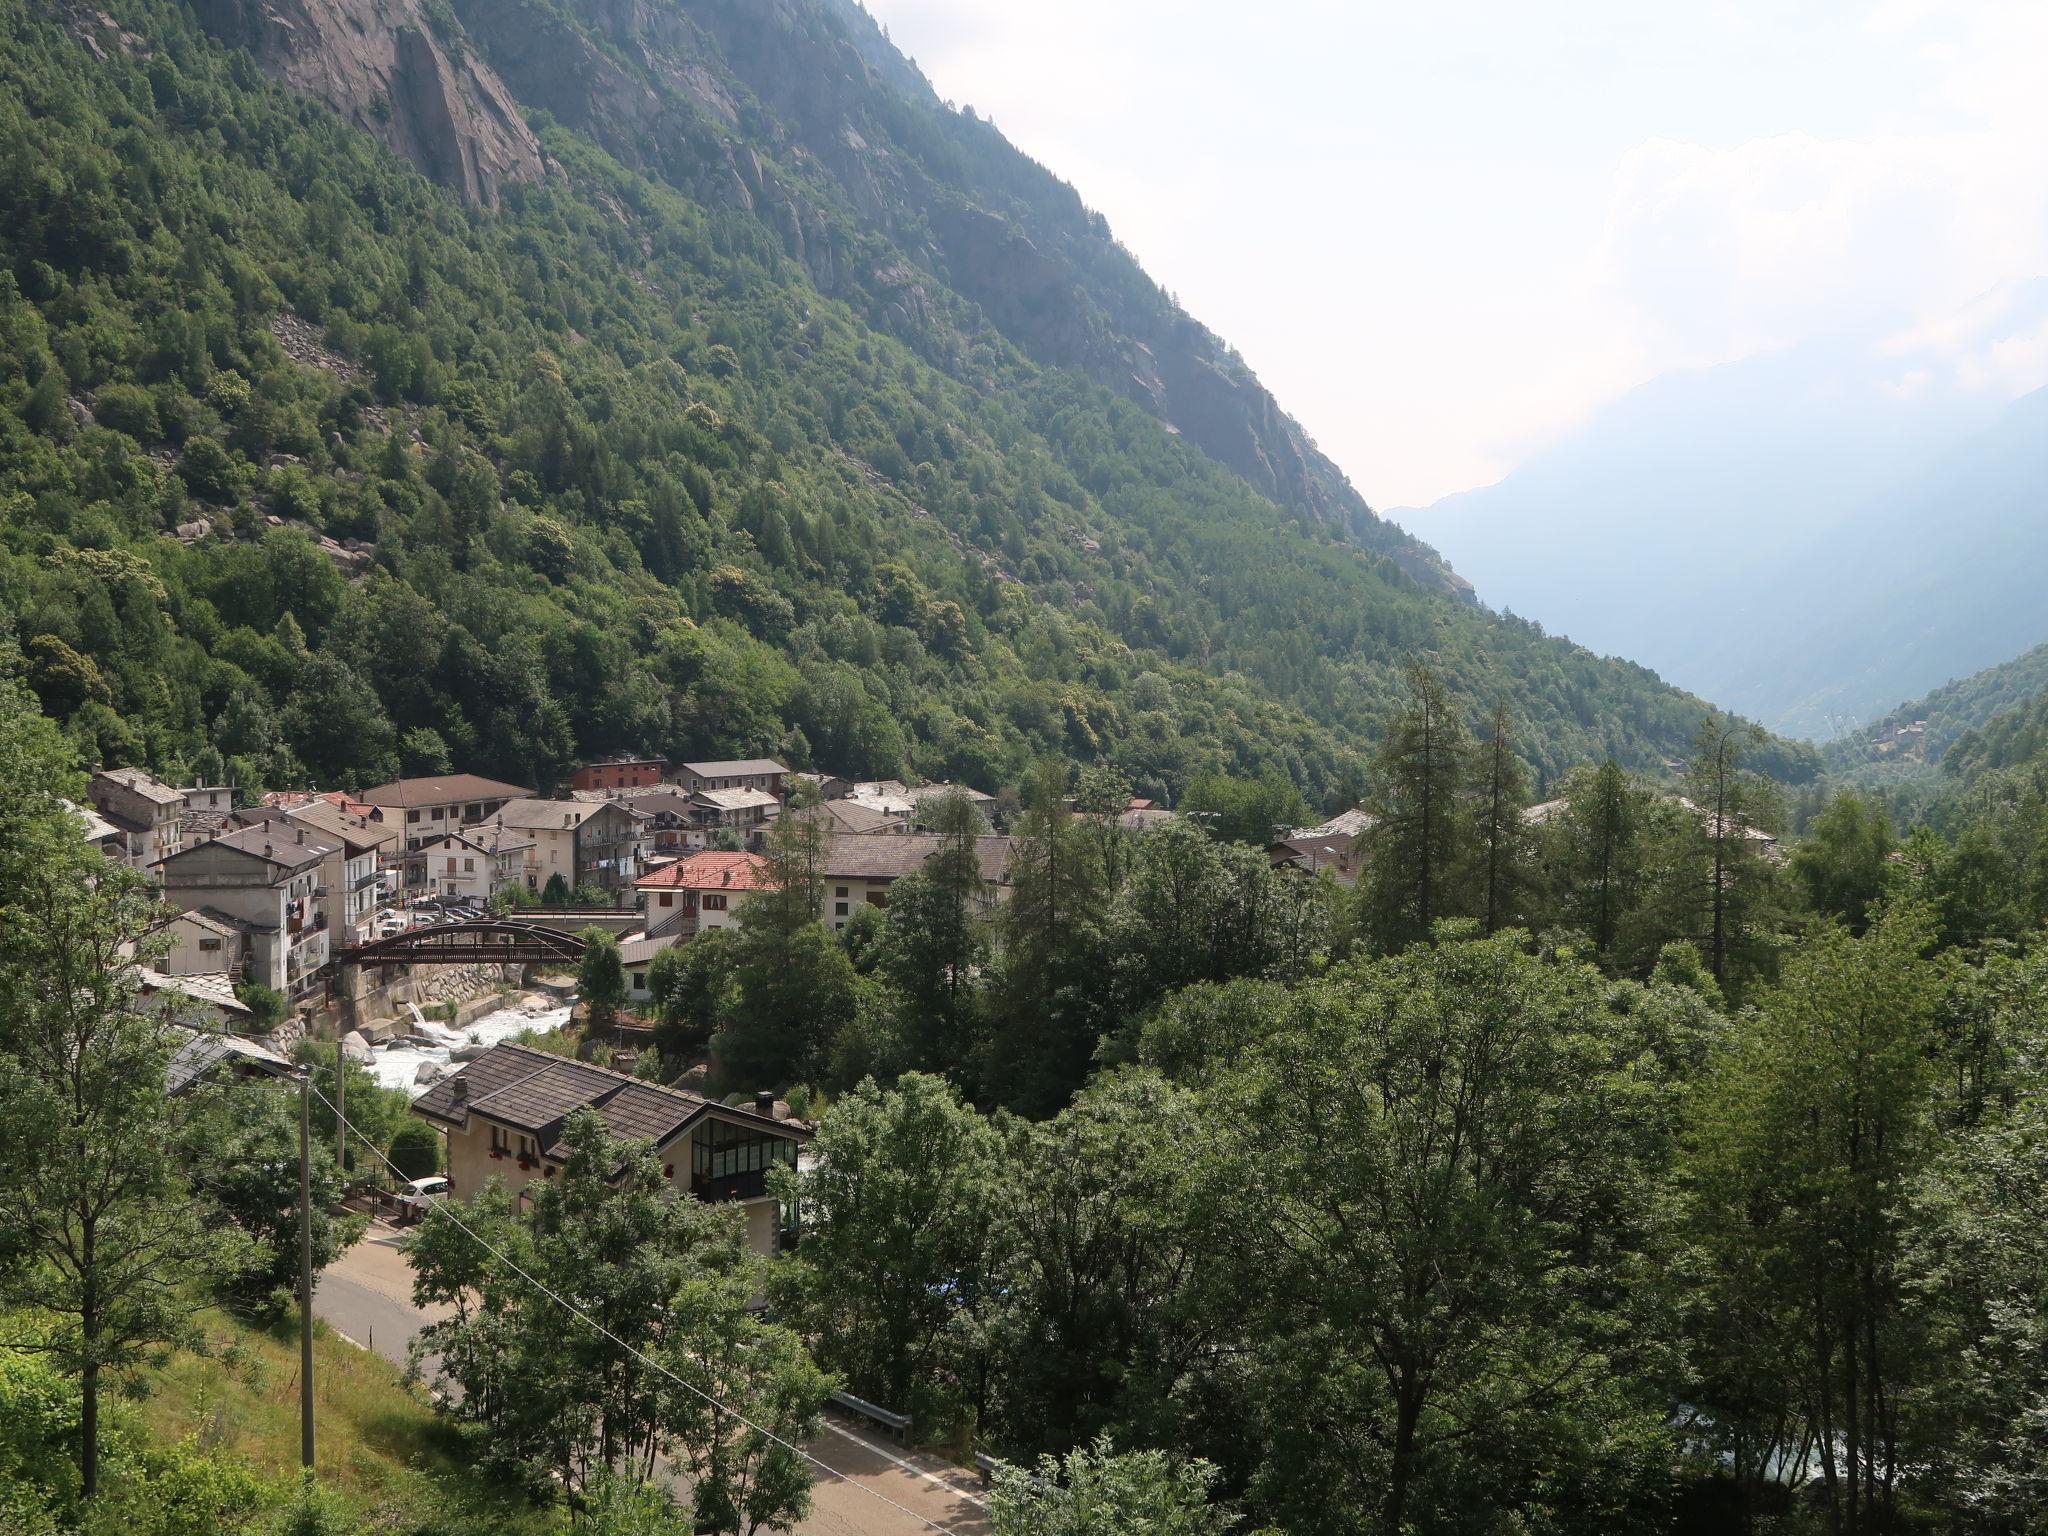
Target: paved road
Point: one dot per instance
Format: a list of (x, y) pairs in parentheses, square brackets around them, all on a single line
[(366, 1295)]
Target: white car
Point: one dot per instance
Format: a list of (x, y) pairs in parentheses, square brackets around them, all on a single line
[(433, 1187)]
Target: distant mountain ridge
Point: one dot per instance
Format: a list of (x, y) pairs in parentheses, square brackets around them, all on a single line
[(1796, 533)]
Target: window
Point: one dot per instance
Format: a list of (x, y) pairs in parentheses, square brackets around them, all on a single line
[(639, 981), (838, 890), (839, 909), (714, 901), (469, 866), (878, 898), (668, 898), (209, 944), (722, 1149), (437, 813), (451, 864), (412, 815), (497, 1138)]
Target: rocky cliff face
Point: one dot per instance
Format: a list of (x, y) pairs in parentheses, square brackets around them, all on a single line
[(800, 113), (380, 64)]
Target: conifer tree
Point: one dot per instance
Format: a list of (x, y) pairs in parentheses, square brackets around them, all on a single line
[(1500, 840), (1418, 800)]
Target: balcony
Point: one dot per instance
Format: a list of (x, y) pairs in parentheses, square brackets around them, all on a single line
[(751, 1185)]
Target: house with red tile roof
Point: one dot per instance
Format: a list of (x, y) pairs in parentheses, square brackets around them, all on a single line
[(704, 890)]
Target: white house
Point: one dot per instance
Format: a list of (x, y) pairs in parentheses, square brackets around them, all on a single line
[(705, 890), (462, 867)]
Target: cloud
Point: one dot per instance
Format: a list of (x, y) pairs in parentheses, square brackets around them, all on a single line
[(1717, 253)]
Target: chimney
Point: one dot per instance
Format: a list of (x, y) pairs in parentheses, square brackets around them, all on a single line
[(764, 1103), (458, 1088)]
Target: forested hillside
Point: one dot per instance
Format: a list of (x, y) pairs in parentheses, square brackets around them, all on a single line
[(1914, 739), (600, 466)]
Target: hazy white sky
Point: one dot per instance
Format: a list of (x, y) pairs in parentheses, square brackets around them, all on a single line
[(1444, 232)]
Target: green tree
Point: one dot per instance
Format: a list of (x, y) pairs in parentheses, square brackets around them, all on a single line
[(100, 1240), (600, 977), (1731, 805), (936, 942), (1046, 997), (1414, 844), (1806, 1136), (668, 1284), (1437, 1176), (691, 986), (1097, 1491), (1092, 1322), (241, 1141), (1840, 863), (897, 1202), (1596, 853), (556, 892), (1500, 845)]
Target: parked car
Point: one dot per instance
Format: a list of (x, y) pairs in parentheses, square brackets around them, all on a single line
[(415, 1196)]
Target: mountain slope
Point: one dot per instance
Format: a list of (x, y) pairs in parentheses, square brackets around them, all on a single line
[(604, 468), (1720, 525), (1916, 737), (802, 116), (1937, 577)]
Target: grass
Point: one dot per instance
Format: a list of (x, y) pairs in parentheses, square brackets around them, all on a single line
[(379, 1443)]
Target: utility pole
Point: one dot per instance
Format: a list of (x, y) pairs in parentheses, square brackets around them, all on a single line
[(341, 1110), (306, 1268)]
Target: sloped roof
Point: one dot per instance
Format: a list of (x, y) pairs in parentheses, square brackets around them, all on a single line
[(535, 1092), (734, 768), (540, 815), (710, 870), (142, 782), (205, 1050), (440, 789), (269, 843), (852, 857), (343, 824), (851, 816), (735, 799), (203, 919)]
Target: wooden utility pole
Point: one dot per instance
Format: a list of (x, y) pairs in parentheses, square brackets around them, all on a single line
[(306, 1268)]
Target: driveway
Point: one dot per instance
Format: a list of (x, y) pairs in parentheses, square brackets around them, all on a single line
[(366, 1296)]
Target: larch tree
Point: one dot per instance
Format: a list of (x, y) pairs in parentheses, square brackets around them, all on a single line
[(1419, 805)]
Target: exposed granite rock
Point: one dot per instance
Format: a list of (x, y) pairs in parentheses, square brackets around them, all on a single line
[(378, 63)]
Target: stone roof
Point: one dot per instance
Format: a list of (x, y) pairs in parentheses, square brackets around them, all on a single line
[(852, 857), (535, 1092), (142, 782), (269, 843), (544, 815), (344, 824)]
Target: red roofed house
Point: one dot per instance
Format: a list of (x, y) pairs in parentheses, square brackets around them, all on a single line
[(705, 890)]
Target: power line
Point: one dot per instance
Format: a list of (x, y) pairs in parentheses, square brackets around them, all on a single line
[(442, 1207)]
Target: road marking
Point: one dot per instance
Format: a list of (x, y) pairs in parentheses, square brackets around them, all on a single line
[(915, 1471)]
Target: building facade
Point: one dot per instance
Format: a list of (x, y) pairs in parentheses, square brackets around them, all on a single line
[(503, 1115), (265, 882)]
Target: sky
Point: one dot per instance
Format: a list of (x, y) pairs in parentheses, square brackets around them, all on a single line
[(1444, 234)]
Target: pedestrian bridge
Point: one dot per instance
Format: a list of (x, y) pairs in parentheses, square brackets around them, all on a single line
[(480, 941)]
